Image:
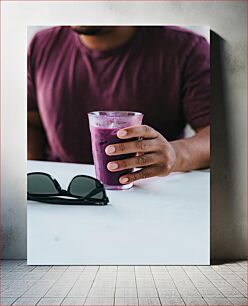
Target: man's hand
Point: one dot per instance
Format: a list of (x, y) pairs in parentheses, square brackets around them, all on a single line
[(155, 155)]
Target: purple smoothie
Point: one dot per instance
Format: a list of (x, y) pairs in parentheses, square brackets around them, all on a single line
[(101, 138), (104, 126)]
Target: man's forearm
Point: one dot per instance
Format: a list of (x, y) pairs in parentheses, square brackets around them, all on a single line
[(36, 143), (194, 152)]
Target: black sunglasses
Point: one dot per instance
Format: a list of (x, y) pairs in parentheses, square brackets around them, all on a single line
[(83, 189)]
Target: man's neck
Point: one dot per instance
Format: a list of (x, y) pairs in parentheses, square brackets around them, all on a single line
[(112, 38)]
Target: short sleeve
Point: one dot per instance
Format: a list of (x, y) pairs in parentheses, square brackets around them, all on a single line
[(196, 84), (31, 91)]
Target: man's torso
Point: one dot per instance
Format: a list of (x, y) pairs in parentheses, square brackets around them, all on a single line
[(70, 80)]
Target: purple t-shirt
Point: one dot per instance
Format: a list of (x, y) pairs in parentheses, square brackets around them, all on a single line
[(163, 72)]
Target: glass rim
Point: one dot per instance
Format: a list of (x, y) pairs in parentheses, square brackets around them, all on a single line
[(114, 113)]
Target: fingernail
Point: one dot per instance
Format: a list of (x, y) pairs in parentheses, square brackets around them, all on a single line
[(110, 150), (112, 166), (121, 133), (124, 180)]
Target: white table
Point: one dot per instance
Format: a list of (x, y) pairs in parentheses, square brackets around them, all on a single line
[(159, 221)]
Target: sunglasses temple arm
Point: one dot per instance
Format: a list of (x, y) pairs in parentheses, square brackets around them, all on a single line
[(63, 201)]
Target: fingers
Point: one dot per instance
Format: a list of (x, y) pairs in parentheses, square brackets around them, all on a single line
[(154, 154), (135, 162), (145, 173), (141, 146), (143, 131)]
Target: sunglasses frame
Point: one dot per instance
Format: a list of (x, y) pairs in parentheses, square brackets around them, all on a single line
[(53, 198)]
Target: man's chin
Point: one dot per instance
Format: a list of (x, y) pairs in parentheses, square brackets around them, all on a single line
[(87, 30)]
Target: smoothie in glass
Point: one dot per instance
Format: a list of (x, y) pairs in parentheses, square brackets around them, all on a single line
[(104, 126)]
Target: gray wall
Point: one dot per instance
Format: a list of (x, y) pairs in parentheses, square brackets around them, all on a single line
[(227, 20)]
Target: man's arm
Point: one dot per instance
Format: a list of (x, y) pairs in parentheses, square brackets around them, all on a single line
[(36, 137), (156, 156), (194, 152)]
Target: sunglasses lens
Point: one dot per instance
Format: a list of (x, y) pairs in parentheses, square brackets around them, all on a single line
[(41, 184), (82, 186)]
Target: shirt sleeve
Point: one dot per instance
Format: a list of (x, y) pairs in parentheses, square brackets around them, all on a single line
[(196, 84), (31, 90)]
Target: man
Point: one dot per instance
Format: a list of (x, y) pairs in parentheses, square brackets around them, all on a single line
[(162, 72)]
